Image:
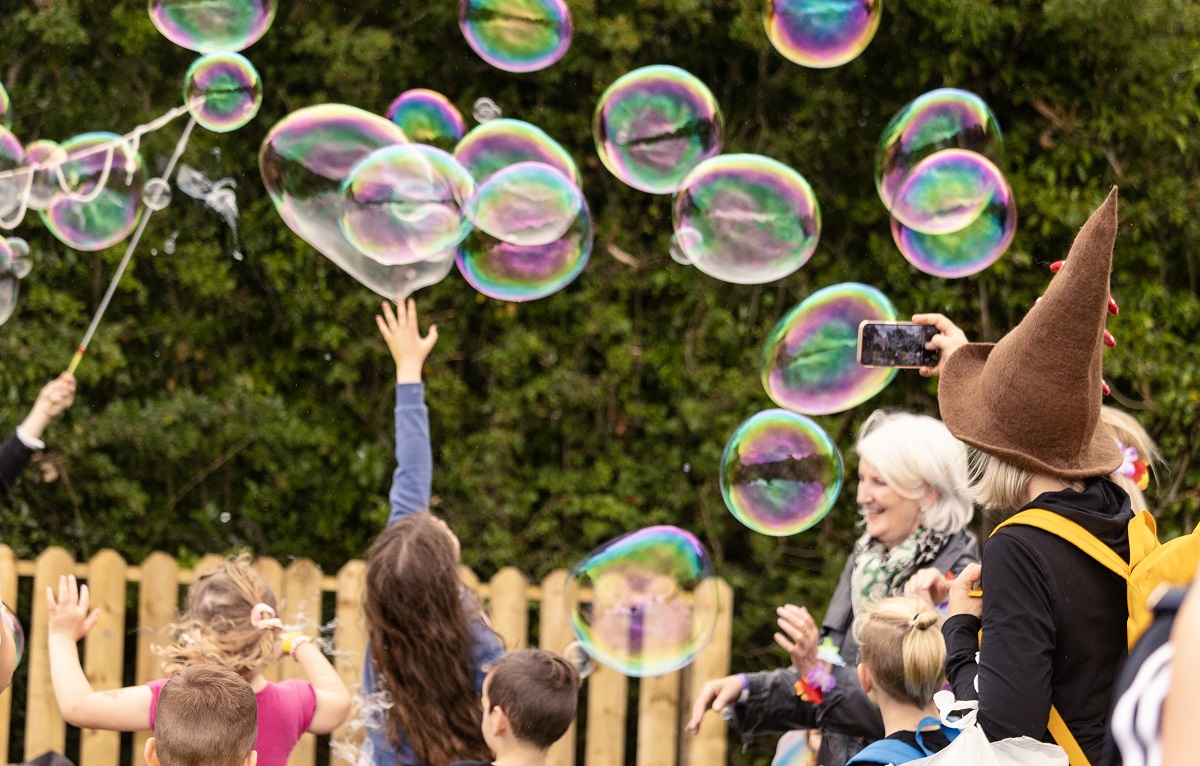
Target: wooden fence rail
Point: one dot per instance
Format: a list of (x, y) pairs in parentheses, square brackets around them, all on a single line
[(662, 702)]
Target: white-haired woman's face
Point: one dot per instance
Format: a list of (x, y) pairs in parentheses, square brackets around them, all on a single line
[(890, 516)]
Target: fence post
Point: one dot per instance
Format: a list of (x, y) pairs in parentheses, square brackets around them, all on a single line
[(554, 633), (44, 725), (8, 594), (105, 656), (302, 608), (158, 602), (510, 608), (708, 748), (271, 571), (350, 643)]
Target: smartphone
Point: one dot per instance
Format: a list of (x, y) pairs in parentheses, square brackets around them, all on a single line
[(896, 344)]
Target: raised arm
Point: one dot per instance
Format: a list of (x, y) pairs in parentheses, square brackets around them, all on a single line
[(333, 698), (55, 396), (412, 480)]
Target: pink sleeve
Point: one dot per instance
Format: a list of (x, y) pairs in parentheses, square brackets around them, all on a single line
[(302, 698), (156, 688)]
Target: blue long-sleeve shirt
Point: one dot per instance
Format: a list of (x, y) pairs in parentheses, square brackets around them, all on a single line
[(412, 484)]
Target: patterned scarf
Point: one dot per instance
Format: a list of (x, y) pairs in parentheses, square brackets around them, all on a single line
[(879, 572)]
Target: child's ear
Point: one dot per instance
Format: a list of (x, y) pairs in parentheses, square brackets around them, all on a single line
[(864, 678), (251, 758), (151, 752), (500, 724)]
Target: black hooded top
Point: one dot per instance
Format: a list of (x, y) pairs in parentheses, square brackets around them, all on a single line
[(1054, 624)]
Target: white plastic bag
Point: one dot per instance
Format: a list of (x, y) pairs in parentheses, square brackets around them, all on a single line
[(972, 748)]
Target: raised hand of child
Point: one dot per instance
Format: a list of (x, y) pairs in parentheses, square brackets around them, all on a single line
[(403, 336), (71, 615)]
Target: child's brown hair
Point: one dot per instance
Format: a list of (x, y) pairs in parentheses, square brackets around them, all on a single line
[(206, 716), (217, 629), (538, 692)]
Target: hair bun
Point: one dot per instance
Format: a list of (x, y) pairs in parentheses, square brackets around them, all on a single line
[(924, 620)]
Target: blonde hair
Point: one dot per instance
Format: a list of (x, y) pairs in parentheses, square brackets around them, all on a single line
[(900, 640), (998, 485), (216, 628), (914, 452), (1129, 433)]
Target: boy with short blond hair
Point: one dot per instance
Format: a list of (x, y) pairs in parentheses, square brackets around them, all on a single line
[(207, 716)]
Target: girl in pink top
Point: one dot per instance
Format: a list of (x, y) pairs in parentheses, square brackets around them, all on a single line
[(230, 621)]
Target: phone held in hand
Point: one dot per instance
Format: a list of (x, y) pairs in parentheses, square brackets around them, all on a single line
[(896, 344)]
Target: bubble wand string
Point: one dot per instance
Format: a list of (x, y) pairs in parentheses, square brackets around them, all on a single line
[(129, 250)]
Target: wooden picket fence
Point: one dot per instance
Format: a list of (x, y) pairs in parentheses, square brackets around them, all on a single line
[(662, 702)]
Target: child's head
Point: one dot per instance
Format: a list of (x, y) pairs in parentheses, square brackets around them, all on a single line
[(902, 653), (222, 626), (530, 697), (421, 634), (207, 715)]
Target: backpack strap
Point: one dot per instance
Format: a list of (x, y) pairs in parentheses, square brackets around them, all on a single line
[(949, 732), (890, 751), (1065, 739), (1068, 530)]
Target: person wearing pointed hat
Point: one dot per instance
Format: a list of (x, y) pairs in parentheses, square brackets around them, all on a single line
[(1053, 619)]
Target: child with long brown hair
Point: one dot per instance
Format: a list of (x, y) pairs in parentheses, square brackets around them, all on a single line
[(230, 621), (430, 644)]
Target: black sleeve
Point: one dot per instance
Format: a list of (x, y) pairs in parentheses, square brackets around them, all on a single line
[(14, 456), (962, 643), (773, 706), (847, 709)]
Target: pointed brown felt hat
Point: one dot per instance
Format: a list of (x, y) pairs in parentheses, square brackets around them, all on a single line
[(1033, 399)]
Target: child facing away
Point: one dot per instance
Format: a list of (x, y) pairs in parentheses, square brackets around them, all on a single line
[(529, 701), (230, 621), (207, 716), (901, 668)]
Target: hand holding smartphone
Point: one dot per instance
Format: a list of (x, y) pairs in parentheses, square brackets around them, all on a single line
[(896, 344)]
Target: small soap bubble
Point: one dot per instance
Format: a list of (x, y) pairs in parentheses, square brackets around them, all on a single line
[(169, 245), (212, 26), (328, 357), (485, 109), (12, 185), (654, 125), (226, 517), (529, 203), (156, 195), (403, 204), (746, 219), (509, 272), (498, 143), (516, 35), (6, 115), (946, 118), (645, 603), (237, 255), (780, 473), (222, 91), (966, 251), (821, 33), (584, 663), (22, 257), (682, 241), (101, 203), (9, 289), (43, 158), (947, 191), (428, 117), (809, 362), (14, 627)]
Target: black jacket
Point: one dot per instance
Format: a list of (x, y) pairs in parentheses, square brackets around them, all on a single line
[(1053, 624), (14, 456)]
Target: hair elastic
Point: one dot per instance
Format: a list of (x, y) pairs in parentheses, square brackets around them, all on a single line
[(262, 616), (1132, 467)]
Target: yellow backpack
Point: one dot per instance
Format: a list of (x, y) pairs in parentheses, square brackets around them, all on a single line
[(1150, 566)]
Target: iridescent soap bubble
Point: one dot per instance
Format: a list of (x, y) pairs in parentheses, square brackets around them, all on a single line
[(222, 91), (428, 117), (750, 219), (403, 204), (15, 629), (809, 362), (645, 603), (946, 118), (498, 143), (780, 473), (509, 272), (516, 35), (22, 257), (947, 191), (6, 116), (821, 33), (8, 282), (968, 250), (12, 185), (102, 199), (526, 204), (43, 157), (654, 124), (212, 26), (576, 654)]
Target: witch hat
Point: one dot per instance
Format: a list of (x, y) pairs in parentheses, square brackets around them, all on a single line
[(1033, 399)]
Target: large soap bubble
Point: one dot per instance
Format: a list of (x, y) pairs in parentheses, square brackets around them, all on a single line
[(746, 219), (428, 117), (12, 185), (645, 603), (946, 118), (42, 159), (102, 199), (516, 35), (821, 33), (212, 26), (6, 116), (404, 204), (14, 628), (526, 204), (498, 143), (780, 473), (222, 91), (304, 160), (947, 191), (509, 272), (810, 360), (966, 251), (654, 124)]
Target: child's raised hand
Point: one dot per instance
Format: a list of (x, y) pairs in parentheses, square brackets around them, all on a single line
[(71, 615), (404, 340)]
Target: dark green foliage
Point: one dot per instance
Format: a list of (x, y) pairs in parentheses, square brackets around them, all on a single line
[(260, 388)]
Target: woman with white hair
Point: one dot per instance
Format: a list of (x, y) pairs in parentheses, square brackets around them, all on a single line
[(912, 494)]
